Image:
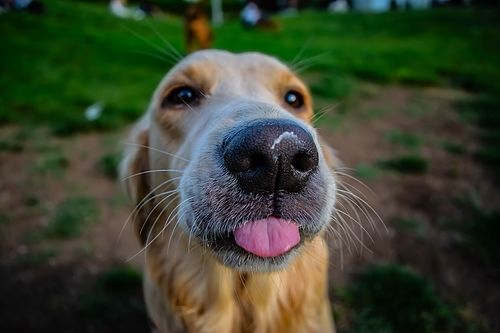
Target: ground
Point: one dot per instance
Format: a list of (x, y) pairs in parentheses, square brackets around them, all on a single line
[(56, 281)]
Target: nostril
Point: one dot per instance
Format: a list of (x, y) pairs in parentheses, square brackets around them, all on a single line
[(245, 162), (303, 162), (257, 160)]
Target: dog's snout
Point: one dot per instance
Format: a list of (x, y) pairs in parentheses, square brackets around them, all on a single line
[(271, 156)]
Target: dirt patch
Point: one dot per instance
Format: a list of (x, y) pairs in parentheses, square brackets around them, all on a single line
[(49, 280)]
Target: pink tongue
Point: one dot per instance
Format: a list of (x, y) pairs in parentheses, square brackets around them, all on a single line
[(269, 237)]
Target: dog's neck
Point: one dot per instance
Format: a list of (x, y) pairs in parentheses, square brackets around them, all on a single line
[(197, 289)]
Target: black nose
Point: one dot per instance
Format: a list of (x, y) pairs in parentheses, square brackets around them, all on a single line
[(271, 155)]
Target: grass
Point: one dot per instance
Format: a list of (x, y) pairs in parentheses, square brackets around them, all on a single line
[(484, 111), (453, 147), (31, 200), (117, 293), (391, 298), (336, 87), (53, 162), (99, 58), (411, 225), (121, 278), (108, 164), (405, 164), (4, 218), (11, 146), (481, 236), (72, 216), (417, 107), (366, 171), (376, 112), (405, 139), (479, 229), (36, 258), (14, 143), (77, 68)]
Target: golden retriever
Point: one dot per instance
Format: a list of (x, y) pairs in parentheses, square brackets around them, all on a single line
[(233, 191)]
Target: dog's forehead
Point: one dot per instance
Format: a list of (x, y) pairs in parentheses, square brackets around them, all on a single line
[(210, 67), (223, 60)]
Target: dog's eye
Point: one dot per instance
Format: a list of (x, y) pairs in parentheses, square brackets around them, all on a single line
[(181, 96), (294, 99)]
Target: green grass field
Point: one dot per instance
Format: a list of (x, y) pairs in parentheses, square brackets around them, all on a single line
[(54, 66)]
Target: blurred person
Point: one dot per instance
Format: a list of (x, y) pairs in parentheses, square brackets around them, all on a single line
[(252, 16), (338, 6), (32, 6), (119, 8)]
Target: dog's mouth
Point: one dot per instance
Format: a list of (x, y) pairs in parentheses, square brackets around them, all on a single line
[(267, 238)]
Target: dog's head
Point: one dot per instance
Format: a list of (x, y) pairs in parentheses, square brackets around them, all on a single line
[(227, 150)]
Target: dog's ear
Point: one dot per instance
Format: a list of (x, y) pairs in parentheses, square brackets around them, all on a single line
[(133, 172)]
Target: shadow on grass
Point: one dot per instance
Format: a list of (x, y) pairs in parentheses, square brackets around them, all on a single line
[(390, 299), (71, 298), (485, 113), (116, 294)]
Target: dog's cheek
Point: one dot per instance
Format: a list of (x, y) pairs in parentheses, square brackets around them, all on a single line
[(169, 121), (137, 184), (189, 193)]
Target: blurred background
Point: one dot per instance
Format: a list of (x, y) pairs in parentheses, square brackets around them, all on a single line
[(406, 91)]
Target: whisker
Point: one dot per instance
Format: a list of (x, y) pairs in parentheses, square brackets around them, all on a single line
[(154, 55), (151, 171), (176, 209), (358, 223), (172, 193), (155, 149), (352, 201), (322, 112), (143, 202), (306, 63), (178, 56), (352, 231), (145, 247), (303, 48), (369, 207), (340, 223), (331, 228), (172, 59), (353, 178), (358, 219)]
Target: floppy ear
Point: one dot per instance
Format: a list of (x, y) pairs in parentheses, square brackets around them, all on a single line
[(133, 166)]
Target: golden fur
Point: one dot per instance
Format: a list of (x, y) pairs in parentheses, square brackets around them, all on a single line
[(187, 289)]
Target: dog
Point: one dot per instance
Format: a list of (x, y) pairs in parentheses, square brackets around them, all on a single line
[(199, 34), (233, 191)]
